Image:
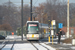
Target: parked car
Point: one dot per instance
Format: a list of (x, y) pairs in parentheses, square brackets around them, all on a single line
[(2, 37)]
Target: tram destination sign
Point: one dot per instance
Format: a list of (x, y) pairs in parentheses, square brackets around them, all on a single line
[(33, 25)]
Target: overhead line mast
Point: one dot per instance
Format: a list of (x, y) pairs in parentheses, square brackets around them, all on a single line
[(31, 10), (22, 17)]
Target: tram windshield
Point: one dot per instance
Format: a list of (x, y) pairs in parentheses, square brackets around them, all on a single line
[(32, 28)]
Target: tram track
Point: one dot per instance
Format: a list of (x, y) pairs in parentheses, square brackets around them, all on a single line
[(6, 43), (43, 46), (37, 45), (13, 45), (34, 45), (37, 42)]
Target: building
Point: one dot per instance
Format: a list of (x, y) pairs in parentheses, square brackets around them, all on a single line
[(71, 30)]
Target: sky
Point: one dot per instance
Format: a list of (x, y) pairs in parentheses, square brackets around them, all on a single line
[(18, 2), (35, 2)]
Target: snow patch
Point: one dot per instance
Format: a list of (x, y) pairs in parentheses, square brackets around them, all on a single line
[(63, 48), (72, 47), (50, 42), (7, 47), (66, 44), (49, 47), (14, 37), (39, 46), (24, 46), (1, 45)]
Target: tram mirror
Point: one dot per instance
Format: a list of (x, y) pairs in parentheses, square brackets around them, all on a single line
[(37, 31)]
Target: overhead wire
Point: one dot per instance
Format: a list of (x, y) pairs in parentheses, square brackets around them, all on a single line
[(35, 2)]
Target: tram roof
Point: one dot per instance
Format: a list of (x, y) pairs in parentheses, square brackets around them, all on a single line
[(32, 21), (43, 24)]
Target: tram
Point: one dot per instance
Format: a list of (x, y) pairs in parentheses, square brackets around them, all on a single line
[(33, 31)]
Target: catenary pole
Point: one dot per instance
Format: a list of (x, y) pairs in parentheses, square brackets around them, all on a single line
[(31, 10), (22, 18)]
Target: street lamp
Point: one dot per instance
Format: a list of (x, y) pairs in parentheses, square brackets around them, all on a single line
[(31, 9), (22, 18)]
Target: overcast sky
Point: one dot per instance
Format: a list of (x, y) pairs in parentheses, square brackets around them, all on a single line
[(35, 2)]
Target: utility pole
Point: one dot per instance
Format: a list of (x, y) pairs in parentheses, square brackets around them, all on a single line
[(31, 10), (34, 18), (22, 18), (67, 18), (49, 30), (9, 8)]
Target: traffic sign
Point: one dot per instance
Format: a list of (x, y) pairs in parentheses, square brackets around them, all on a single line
[(53, 22), (60, 25), (12, 33), (52, 32)]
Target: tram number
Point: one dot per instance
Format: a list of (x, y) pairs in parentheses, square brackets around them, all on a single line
[(32, 35)]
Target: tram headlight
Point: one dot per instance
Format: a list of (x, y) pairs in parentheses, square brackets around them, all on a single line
[(27, 35), (35, 35)]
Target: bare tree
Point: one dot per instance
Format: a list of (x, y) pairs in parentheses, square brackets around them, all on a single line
[(10, 15), (6, 27), (26, 13)]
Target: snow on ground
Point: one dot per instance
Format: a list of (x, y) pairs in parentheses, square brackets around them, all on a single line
[(63, 48), (39, 46), (7, 47), (73, 47), (66, 44), (50, 42), (49, 47), (62, 38), (27, 46), (1, 45), (14, 37), (24, 46)]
